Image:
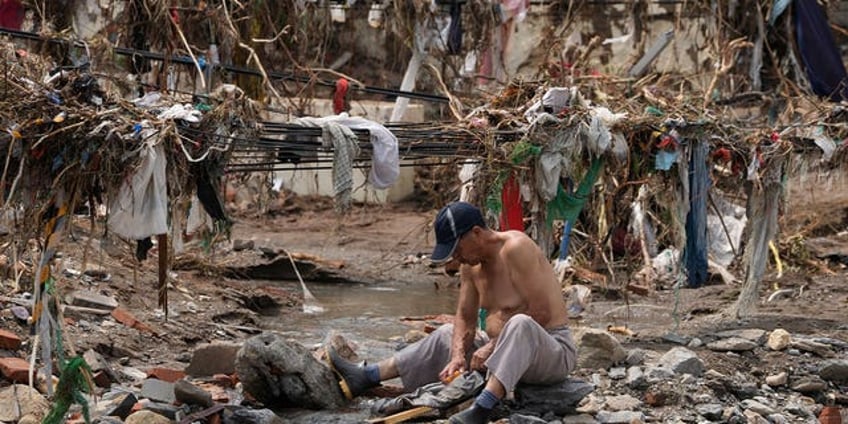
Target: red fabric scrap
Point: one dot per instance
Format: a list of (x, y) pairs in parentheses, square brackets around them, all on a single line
[(11, 14), (512, 216), (339, 96)]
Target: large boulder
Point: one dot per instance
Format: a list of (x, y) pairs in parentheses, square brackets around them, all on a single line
[(283, 373)]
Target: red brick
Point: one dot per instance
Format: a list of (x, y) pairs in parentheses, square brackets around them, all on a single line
[(166, 374), (101, 379), (224, 380), (9, 340), (15, 369), (124, 317)]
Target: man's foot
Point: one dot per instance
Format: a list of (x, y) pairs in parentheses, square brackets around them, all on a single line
[(354, 380), (476, 414)]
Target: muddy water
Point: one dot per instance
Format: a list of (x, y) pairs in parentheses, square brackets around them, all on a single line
[(368, 315)]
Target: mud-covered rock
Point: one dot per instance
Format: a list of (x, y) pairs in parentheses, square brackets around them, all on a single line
[(279, 372), (558, 398)]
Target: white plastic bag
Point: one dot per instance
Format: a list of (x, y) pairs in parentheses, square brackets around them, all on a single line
[(140, 208)]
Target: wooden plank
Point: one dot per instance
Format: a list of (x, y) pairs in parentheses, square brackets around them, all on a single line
[(403, 415)]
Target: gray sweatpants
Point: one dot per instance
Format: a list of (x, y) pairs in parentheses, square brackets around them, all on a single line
[(525, 351)]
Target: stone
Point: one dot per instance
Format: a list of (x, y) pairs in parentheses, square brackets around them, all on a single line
[(598, 349), (754, 418), (239, 245), (819, 349), (190, 394), (619, 417), (777, 380), (779, 339), (122, 406), (657, 374), (580, 419), (213, 358), (14, 369), (19, 400), (623, 403), (279, 372), (635, 357), (635, 378), (695, 343), (661, 395), (744, 389), (591, 404), (732, 344), (711, 411), (90, 299), (252, 416), (617, 373), (166, 410), (158, 390), (525, 419), (755, 335), (675, 338), (30, 419), (809, 385), (834, 370), (793, 352), (558, 398), (758, 407), (681, 360), (133, 374), (413, 336), (777, 419), (9, 340), (688, 379), (146, 417), (21, 313)]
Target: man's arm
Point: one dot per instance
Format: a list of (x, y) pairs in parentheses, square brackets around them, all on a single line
[(465, 322), (528, 274)]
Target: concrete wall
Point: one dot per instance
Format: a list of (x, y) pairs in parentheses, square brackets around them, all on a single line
[(320, 182)]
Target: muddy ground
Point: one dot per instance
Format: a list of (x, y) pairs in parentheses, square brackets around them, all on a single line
[(380, 251)]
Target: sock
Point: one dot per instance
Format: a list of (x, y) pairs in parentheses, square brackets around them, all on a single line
[(487, 400), (372, 373)]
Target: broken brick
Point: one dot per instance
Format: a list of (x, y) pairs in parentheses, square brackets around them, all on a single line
[(224, 380), (9, 340), (166, 374), (124, 317), (15, 369), (101, 379)]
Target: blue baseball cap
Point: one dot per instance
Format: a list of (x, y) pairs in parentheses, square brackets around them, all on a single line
[(452, 222)]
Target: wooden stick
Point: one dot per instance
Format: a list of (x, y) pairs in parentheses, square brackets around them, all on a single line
[(163, 272), (403, 415)]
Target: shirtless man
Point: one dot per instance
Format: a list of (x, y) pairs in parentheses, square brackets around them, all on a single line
[(526, 335)]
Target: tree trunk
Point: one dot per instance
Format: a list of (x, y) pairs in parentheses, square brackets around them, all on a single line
[(762, 210)]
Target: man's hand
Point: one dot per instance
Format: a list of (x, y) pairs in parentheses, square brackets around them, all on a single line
[(478, 360), (456, 365)]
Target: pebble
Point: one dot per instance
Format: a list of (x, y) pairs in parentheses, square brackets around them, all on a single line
[(777, 379)]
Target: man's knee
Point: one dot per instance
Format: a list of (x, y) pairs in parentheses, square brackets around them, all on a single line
[(520, 322)]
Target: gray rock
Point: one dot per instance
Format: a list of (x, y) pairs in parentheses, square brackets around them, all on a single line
[(809, 385), (758, 407), (623, 403), (777, 379), (251, 416), (711, 411), (617, 373), (598, 349), (104, 420), (167, 410), (119, 406), (695, 343), (239, 245), (278, 372), (635, 378), (21, 313), (90, 299), (657, 374), (688, 379), (798, 409), (190, 394), (754, 418), (158, 390), (819, 349), (635, 357), (755, 335), (831, 341), (213, 358), (591, 404), (744, 389), (777, 419), (525, 419), (559, 398), (733, 344), (834, 370), (793, 352), (682, 361), (619, 417), (147, 417), (19, 400), (580, 419)]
